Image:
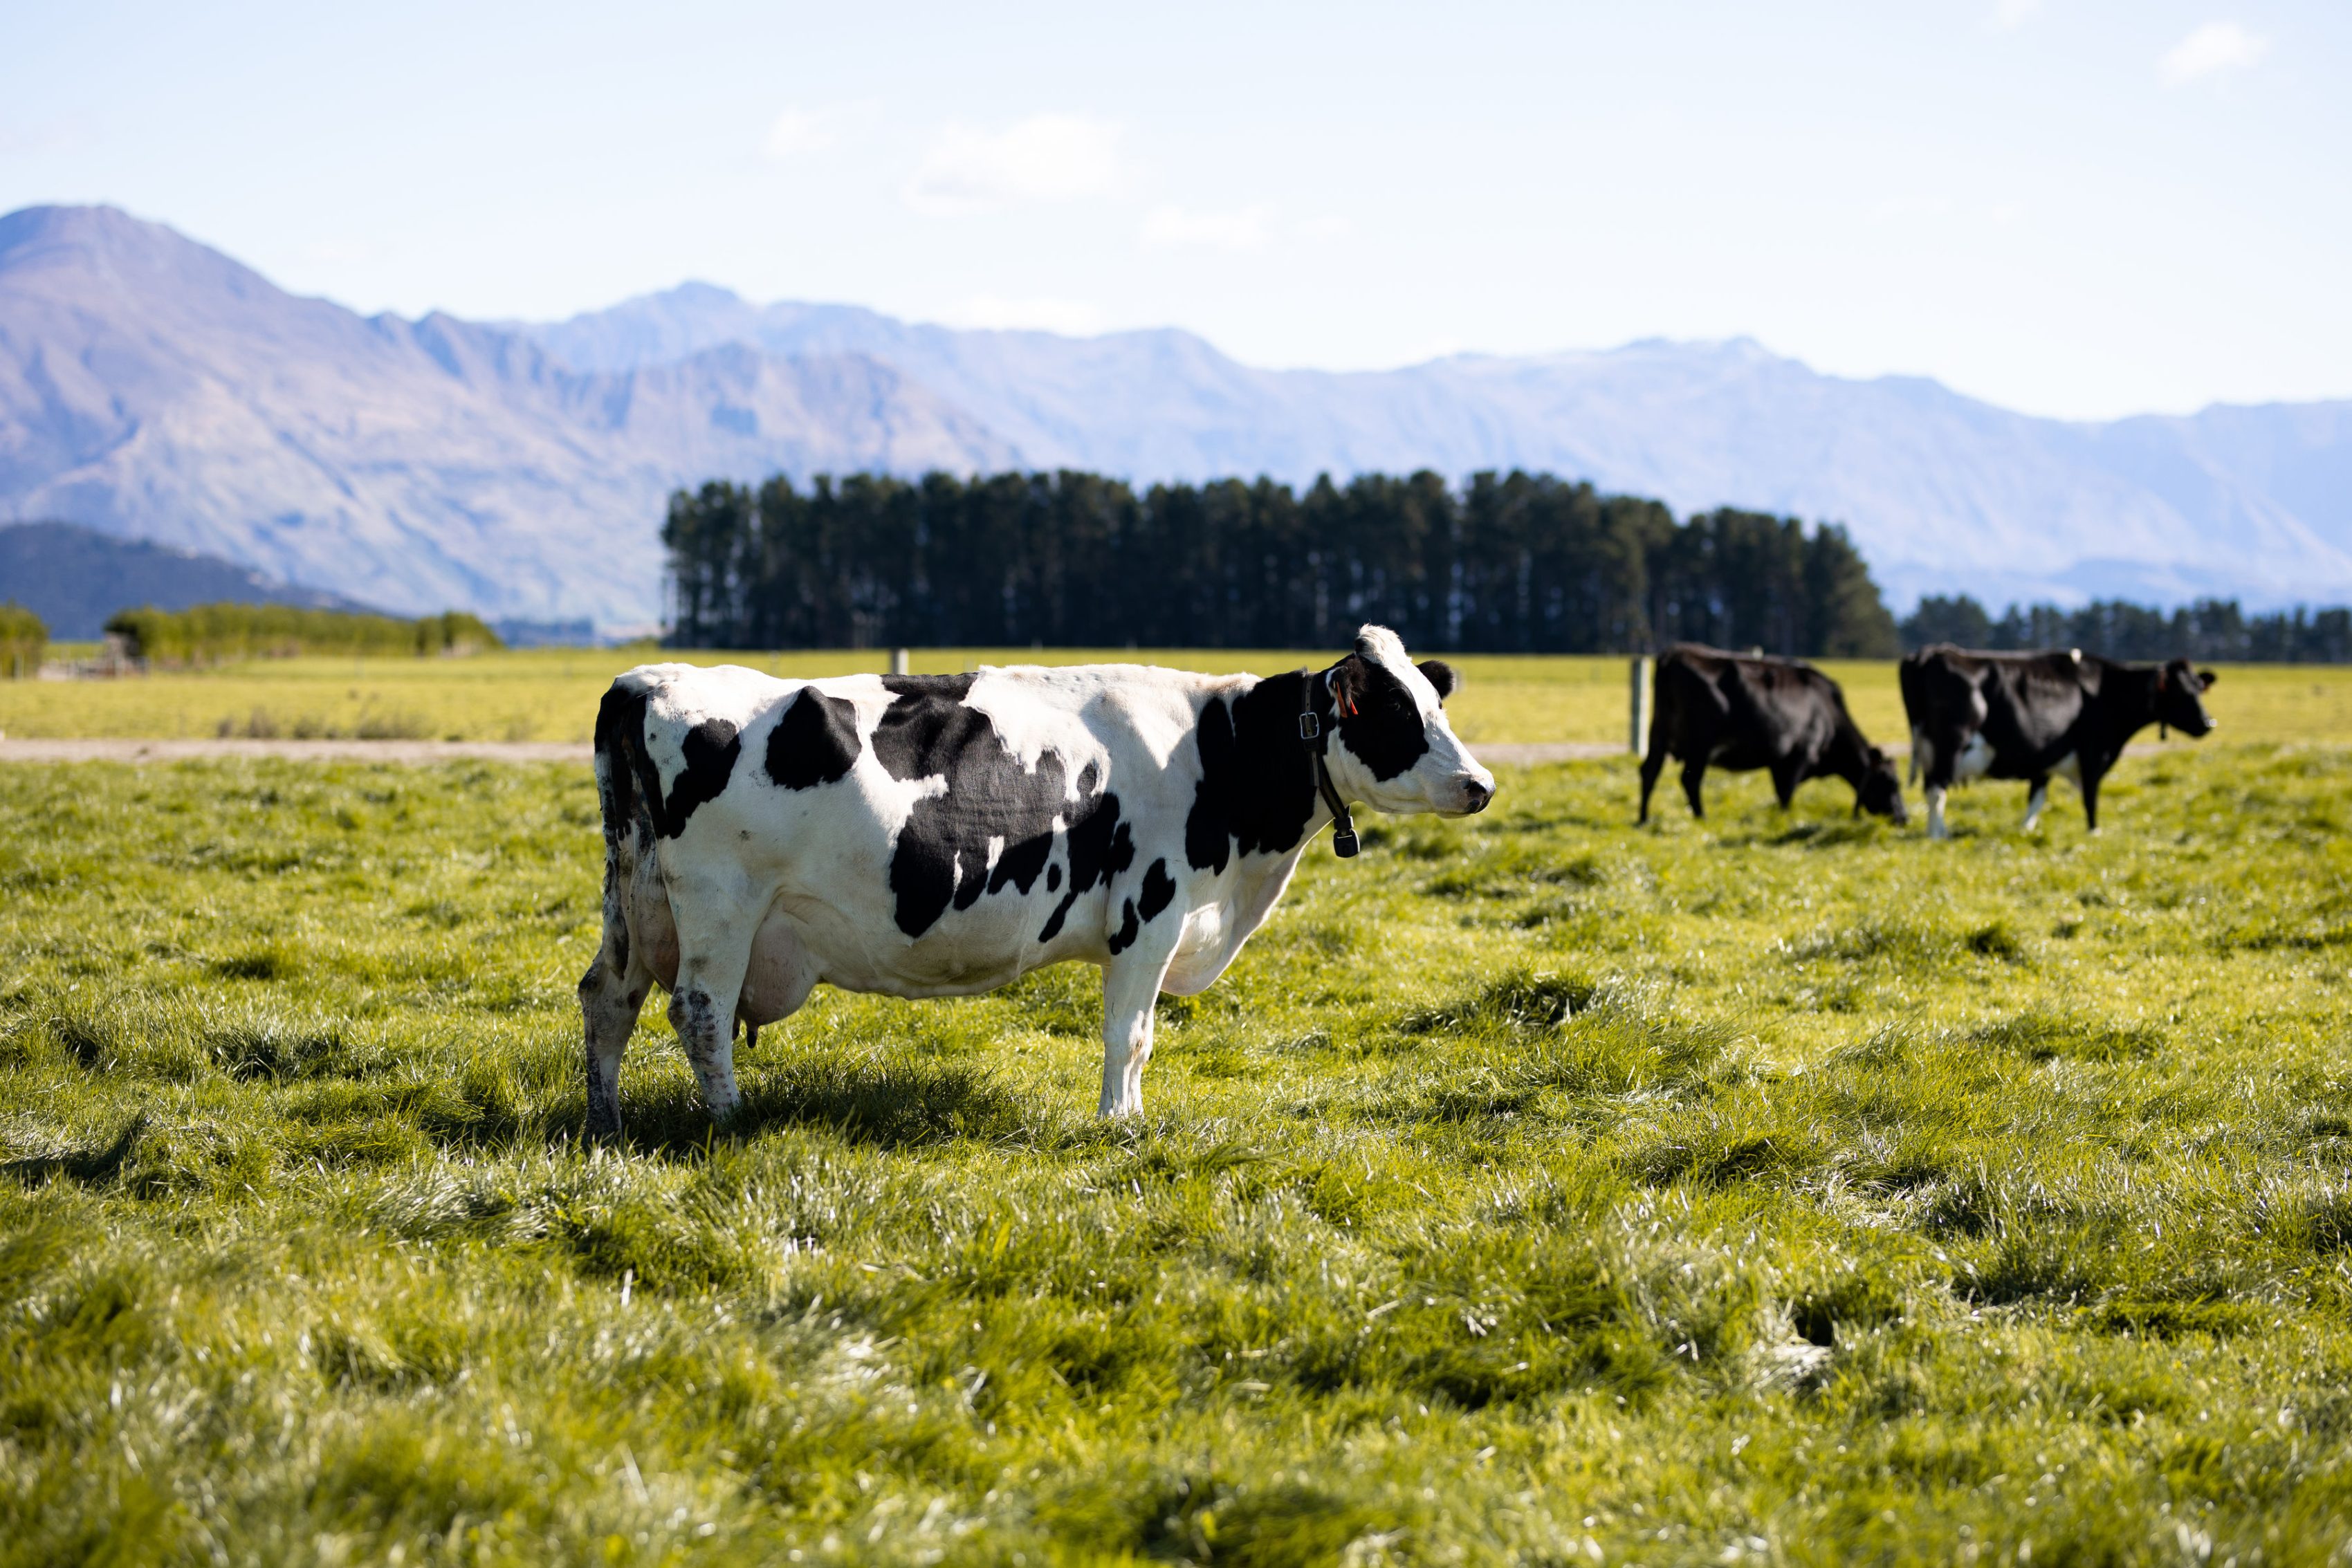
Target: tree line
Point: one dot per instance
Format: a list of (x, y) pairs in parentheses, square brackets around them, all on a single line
[(23, 637), (1510, 562), (217, 633), (2214, 629)]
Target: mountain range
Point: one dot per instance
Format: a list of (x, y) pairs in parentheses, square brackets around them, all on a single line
[(153, 388)]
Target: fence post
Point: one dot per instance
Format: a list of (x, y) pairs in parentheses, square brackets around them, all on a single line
[(1638, 733), (897, 661)]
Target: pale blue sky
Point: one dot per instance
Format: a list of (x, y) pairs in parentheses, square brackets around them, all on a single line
[(2074, 208)]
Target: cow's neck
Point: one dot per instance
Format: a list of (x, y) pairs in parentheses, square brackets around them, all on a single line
[(1848, 757), (2127, 702)]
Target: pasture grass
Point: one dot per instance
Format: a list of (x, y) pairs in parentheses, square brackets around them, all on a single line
[(551, 694), (1534, 1189)]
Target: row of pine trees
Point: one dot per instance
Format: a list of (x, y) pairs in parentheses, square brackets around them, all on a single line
[(2214, 629), (1506, 563)]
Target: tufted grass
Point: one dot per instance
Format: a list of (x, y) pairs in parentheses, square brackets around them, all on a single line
[(1535, 1189)]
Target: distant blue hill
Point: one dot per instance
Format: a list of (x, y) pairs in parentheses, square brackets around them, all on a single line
[(73, 577), (1943, 492), (151, 388)]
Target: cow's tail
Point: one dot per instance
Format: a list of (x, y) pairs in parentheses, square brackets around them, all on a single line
[(623, 770)]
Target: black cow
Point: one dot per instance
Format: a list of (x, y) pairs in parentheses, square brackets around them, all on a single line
[(1743, 711), (2030, 716)]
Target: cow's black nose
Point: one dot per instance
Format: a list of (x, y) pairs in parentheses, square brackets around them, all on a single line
[(1474, 795)]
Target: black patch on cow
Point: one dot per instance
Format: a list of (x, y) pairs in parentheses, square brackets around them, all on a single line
[(634, 783), (815, 743), (1159, 887), (941, 856), (954, 689), (711, 748), (1124, 937), (1100, 848), (1257, 783), (1052, 879), (1385, 731)]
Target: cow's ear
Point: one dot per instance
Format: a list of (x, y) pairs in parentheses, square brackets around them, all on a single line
[(1440, 674), (2208, 676), (1349, 686)]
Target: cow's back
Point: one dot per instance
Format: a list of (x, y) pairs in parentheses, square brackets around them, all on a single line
[(922, 835)]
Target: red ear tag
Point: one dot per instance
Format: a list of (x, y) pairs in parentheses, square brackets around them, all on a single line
[(1347, 704)]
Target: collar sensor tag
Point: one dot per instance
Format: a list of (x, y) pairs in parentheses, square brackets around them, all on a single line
[(1310, 730)]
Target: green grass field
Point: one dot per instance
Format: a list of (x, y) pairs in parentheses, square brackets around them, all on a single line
[(551, 694), (1534, 1189)]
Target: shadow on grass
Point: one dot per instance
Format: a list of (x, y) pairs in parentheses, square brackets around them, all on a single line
[(901, 1104), (91, 1167)]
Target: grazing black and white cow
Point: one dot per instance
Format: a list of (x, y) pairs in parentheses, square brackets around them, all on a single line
[(943, 835), (1742, 711), (2030, 716)]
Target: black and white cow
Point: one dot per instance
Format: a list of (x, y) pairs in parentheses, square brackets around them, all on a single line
[(2032, 716), (943, 835), (1742, 711)]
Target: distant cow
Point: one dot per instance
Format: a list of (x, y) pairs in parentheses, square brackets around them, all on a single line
[(2030, 716), (942, 835), (1744, 711)]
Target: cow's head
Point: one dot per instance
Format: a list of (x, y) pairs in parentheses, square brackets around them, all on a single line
[(1392, 748), (2180, 698), (1879, 791)]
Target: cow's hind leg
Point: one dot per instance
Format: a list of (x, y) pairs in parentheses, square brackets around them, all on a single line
[(1936, 828), (714, 951), (611, 994)]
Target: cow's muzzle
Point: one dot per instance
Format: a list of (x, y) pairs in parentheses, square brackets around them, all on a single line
[(1474, 795)]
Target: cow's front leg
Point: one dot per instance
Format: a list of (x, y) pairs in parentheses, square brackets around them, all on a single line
[(2035, 801), (1694, 771), (1936, 829), (1785, 776), (1652, 766), (1130, 987)]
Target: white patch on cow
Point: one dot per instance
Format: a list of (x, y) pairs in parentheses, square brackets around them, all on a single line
[(1975, 759)]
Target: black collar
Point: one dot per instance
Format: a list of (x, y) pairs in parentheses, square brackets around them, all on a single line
[(1316, 733)]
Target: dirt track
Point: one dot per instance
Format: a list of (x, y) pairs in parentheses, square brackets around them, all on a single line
[(418, 751)]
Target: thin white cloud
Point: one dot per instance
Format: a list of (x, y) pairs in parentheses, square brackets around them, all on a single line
[(1045, 158), (1239, 229), (1914, 206), (1073, 317), (797, 132), (2215, 46), (2011, 15)]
